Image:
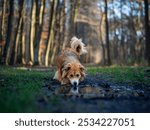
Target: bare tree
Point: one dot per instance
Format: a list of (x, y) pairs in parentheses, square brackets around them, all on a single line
[(147, 32), (18, 33), (107, 35), (51, 31), (2, 28), (101, 35), (6, 53), (41, 19), (32, 32)]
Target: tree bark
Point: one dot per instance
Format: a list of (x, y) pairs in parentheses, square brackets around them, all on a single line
[(101, 37), (74, 5), (3, 19), (75, 16), (51, 31), (107, 35), (41, 19), (6, 53), (18, 34), (32, 32), (147, 32), (23, 45), (62, 26)]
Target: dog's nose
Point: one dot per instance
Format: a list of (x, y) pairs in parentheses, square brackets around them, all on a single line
[(75, 83)]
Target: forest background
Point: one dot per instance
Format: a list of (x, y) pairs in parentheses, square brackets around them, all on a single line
[(116, 32)]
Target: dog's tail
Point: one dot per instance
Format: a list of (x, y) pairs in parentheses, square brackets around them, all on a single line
[(78, 45)]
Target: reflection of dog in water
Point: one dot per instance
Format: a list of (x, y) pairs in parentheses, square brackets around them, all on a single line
[(85, 91), (69, 68)]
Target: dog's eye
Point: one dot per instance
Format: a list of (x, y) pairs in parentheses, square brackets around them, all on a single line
[(77, 75), (71, 75)]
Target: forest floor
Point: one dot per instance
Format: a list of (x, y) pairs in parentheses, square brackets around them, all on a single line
[(107, 89)]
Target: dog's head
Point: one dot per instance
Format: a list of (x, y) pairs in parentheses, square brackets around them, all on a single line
[(74, 73)]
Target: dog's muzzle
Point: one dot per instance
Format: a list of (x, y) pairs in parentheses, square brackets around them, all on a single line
[(74, 82)]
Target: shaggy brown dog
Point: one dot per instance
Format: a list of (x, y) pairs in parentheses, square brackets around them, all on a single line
[(69, 68)]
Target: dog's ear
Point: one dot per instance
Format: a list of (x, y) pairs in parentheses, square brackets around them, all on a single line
[(65, 70), (82, 68), (83, 74), (66, 67)]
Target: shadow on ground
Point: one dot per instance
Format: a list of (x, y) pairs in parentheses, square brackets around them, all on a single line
[(96, 95)]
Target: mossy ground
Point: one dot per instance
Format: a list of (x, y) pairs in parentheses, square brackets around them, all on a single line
[(123, 75)]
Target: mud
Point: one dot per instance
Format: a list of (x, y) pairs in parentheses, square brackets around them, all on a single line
[(96, 95)]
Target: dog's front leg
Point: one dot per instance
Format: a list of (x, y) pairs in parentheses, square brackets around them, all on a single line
[(56, 75), (64, 81)]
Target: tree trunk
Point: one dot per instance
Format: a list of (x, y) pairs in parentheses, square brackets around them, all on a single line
[(147, 32), (66, 33), (74, 5), (101, 37), (51, 31), (107, 35), (32, 32), (56, 41), (41, 19), (23, 61), (6, 53), (115, 40), (3, 19), (37, 30), (75, 16), (62, 26), (18, 34)]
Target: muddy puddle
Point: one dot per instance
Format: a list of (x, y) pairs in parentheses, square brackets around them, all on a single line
[(95, 95)]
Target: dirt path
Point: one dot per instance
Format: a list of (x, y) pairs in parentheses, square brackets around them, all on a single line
[(96, 95)]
